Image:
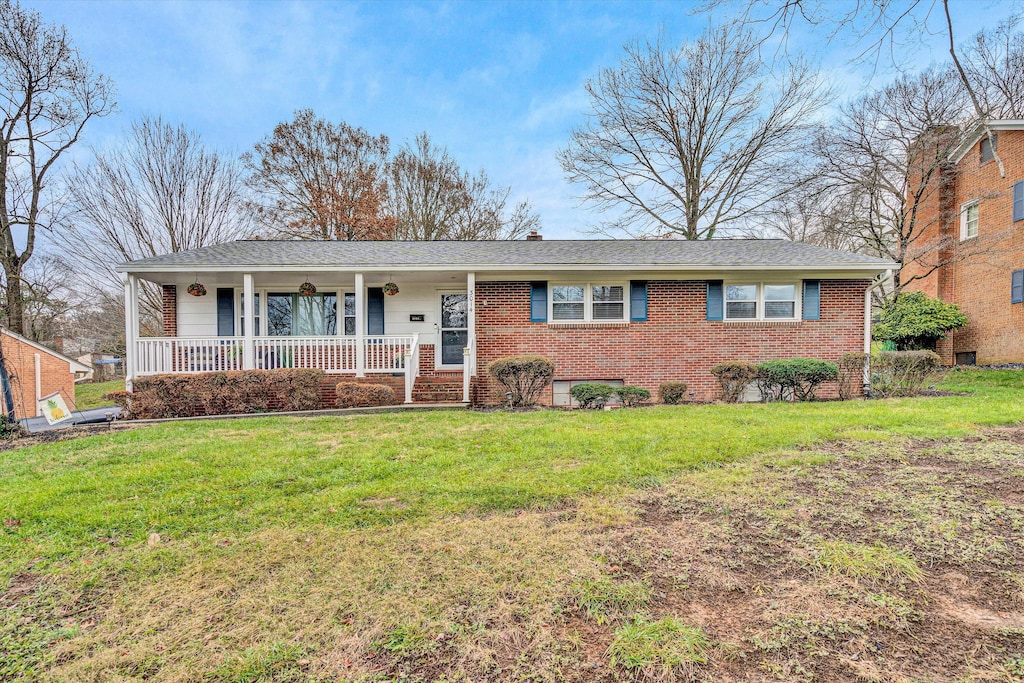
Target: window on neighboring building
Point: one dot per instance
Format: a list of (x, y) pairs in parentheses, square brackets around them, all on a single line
[(295, 315), (759, 301), (988, 147), (969, 220), (589, 302)]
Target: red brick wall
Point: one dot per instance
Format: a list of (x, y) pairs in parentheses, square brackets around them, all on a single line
[(170, 310), (55, 375), (676, 342), (978, 279)]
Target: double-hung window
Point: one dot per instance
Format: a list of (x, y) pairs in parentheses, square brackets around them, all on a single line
[(969, 220), (760, 301), (588, 303)]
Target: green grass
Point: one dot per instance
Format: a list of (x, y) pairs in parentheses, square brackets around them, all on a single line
[(859, 561), (90, 395), (658, 646)]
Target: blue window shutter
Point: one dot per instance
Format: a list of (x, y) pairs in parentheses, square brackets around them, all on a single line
[(812, 300), (1018, 201), (637, 300), (716, 296), (538, 302), (374, 310), (225, 312), (1017, 287)]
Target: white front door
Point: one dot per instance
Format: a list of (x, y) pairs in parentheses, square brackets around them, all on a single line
[(453, 329)]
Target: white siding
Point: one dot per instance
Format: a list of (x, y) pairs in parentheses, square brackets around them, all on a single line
[(197, 315), (413, 299)]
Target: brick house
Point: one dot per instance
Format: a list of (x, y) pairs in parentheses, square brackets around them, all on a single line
[(429, 316), (34, 371), (977, 216)]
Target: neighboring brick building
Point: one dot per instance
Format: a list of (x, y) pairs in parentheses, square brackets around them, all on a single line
[(977, 216), (436, 313), (56, 372)]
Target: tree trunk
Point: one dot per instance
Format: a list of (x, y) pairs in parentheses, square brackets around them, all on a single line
[(14, 302)]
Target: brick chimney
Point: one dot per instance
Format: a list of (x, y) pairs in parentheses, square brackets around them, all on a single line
[(534, 236)]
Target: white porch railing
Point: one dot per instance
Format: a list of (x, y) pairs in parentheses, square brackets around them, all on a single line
[(179, 355)]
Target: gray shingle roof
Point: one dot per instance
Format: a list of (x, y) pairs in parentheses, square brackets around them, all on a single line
[(510, 255)]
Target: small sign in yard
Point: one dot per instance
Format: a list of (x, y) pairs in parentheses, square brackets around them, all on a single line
[(54, 409)]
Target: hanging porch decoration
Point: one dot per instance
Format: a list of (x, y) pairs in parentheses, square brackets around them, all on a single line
[(307, 288), (197, 288), (390, 288)]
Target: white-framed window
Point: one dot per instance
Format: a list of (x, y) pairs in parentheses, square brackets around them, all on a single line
[(969, 220), (588, 302), (762, 301), (349, 313)]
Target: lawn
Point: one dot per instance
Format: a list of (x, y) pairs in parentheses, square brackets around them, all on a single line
[(454, 546), (90, 395)]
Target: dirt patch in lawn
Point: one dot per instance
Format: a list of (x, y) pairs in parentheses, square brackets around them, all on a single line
[(872, 561)]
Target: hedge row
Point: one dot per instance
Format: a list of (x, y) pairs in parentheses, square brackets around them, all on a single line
[(220, 393)]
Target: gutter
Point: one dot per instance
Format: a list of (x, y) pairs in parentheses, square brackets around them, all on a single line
[(867, 330)]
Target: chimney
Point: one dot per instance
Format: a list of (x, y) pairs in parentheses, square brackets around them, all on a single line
[(534, 236)]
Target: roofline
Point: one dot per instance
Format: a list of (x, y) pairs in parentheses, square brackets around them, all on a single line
[(961, 150), (46, 349), (492, 267)]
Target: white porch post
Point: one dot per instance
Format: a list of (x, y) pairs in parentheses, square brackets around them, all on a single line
[(131, 326), (360, 326), (249, 323), (471, 320)]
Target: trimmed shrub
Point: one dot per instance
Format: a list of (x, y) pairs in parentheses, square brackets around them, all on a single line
[(672, 393), (593, 394), (632, 396), (915, 322), (355, 395), (522, 376), (800, 376), (902, 373), (851, 374), (733, 377), (220, 393)]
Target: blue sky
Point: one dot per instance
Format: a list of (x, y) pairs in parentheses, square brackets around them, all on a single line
[(500, 84)]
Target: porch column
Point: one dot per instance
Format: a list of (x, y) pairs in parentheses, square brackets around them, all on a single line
[(360, 326), (131, 324), (471, 320), (249, 322)]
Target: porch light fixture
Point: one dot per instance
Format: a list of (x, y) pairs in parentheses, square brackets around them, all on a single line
[(307, 288), (197, 288)]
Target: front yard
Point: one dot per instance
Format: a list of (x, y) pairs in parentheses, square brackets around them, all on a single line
[(878, 540)]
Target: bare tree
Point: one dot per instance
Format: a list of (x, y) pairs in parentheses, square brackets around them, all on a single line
[(49, 296), (317, 180), (692, 140), (48, 93), (994, 64), (814, 215), (432, 198), (161, 191)]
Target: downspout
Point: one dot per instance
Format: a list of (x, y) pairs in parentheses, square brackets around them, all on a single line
[(867, 330), (39, 384)]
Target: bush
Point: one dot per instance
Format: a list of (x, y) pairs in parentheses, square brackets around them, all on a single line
[(914, 322), (902, 373), (522, 376), (733, 377), (220, 393), (798, 376), (672, 393), (593, 394), (851, 374), (355, 395), (632, 396), (10, 429)]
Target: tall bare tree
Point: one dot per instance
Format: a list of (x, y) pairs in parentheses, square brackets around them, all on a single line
[(48, 93), (692, 140), (161, 191), (317, 180), (432, 198), (994, 64)]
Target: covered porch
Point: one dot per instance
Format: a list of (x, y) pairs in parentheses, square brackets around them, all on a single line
[(354, 324)]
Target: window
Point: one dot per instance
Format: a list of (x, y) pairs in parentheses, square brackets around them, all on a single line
[(761, 301), (741, 301), (969, 221), (988, 147), (349, 314), (242, 315), (560, 395), (295, 315), (587, 303)]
